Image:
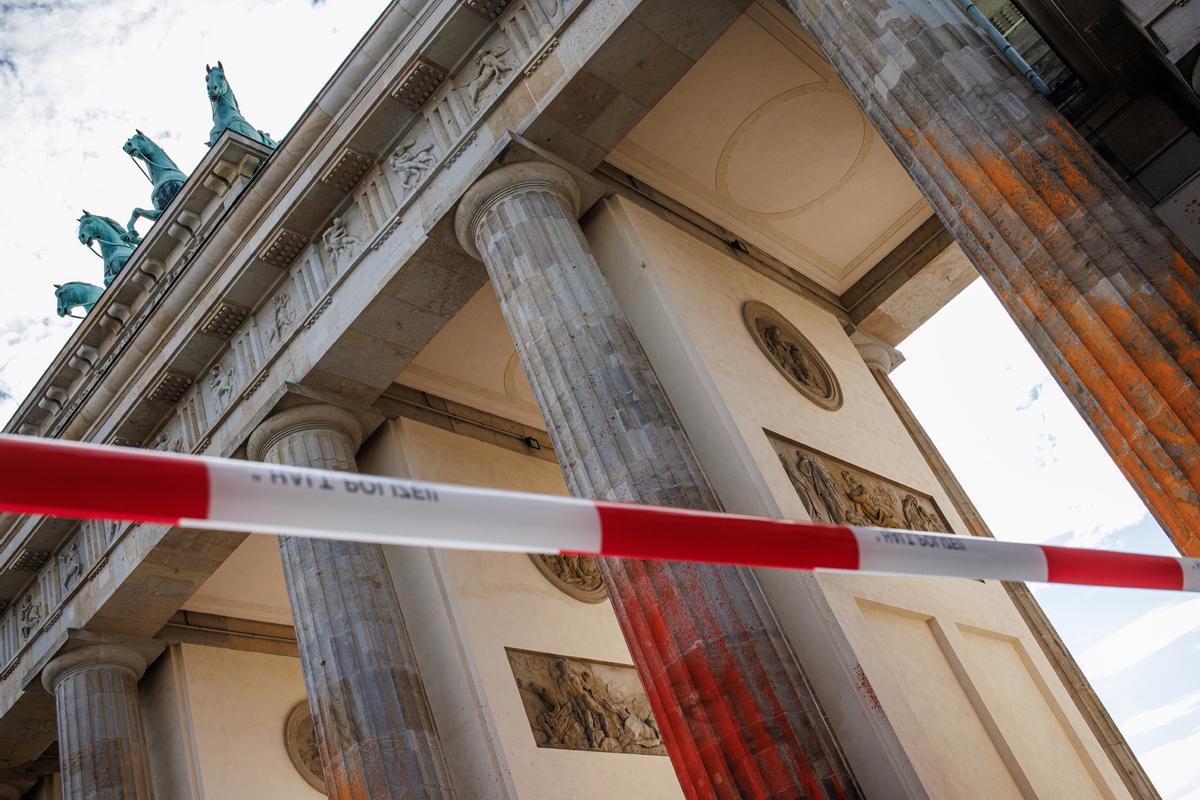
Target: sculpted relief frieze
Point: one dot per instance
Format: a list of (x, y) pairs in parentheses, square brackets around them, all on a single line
[(317, 264), (792, 354), (836, 492), (580, 704)]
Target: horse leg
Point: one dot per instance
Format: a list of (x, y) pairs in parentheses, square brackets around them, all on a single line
[(146, 213)]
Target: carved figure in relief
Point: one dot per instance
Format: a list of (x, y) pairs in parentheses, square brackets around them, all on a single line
[(492, 69), (792, 358), (167, 442), (917, 518), (340, 245), (411, 163), (577, 710), (220, 380), (819, 491), (868, 508), (72, 565), (29, 616), (225, 112), (283, 317)]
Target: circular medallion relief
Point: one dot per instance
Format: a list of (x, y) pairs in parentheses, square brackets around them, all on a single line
[(300, 741), (578, 576), (792, 354)]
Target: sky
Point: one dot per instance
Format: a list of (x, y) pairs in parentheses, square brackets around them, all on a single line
[(78, 76), (1037, 473)]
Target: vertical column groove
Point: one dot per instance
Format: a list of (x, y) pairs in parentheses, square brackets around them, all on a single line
[(101, 741), (375, 731), (736, 711), (1104, 293)]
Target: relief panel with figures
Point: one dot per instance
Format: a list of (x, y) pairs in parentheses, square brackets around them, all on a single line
[(839, 493)]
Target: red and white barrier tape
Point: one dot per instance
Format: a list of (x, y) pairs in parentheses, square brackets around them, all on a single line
[(68, 479)]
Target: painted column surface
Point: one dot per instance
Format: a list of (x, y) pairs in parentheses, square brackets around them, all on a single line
[(1100, 288), (374, 727), (735, 708), (101, 740)]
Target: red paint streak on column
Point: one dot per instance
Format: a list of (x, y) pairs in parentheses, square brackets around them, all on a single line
[(708, 736), (632, 531), (1098, 568), (67, 479)]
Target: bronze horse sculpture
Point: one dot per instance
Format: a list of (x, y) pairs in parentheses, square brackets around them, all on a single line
[(167, 178), (226, 114)]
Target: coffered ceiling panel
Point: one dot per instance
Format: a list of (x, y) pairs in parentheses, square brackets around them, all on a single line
[(763, 138)]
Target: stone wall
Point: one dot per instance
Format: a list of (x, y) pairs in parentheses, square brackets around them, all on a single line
[(943, 675)]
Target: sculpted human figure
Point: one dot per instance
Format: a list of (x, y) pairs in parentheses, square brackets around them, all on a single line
[(225, 112), (823, 487), (338, 242), (491, 70), (411, 163), (72, 565), (222, 384), (283, 317), (166, 177), (30, 616), (917, 518), (867, 506)]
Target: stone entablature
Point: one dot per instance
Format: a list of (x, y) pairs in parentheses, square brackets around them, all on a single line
[(126, 315), (189, 344)]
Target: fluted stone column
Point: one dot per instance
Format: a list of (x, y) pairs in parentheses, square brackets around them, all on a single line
[(1099, 287), (736, 711), (101, 741), (374, 728)]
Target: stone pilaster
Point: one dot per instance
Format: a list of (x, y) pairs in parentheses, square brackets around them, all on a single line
[(881, 360), (1101, 290), (101, 741), (736, 711), (374, 728)]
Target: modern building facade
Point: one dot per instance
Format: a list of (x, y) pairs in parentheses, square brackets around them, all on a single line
[(656, 251)]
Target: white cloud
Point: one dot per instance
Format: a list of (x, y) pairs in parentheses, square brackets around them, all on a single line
[(1160, 717), (78, 77), (1136, 641), (1175, 769)]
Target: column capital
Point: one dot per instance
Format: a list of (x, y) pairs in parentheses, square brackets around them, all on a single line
[(505, 182), (878, 354), (107, 655), (318, 416)]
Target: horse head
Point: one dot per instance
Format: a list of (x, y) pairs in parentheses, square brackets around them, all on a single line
[(218, 86), (87, 228), (76, 294), (107, 230), (138, 145)]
